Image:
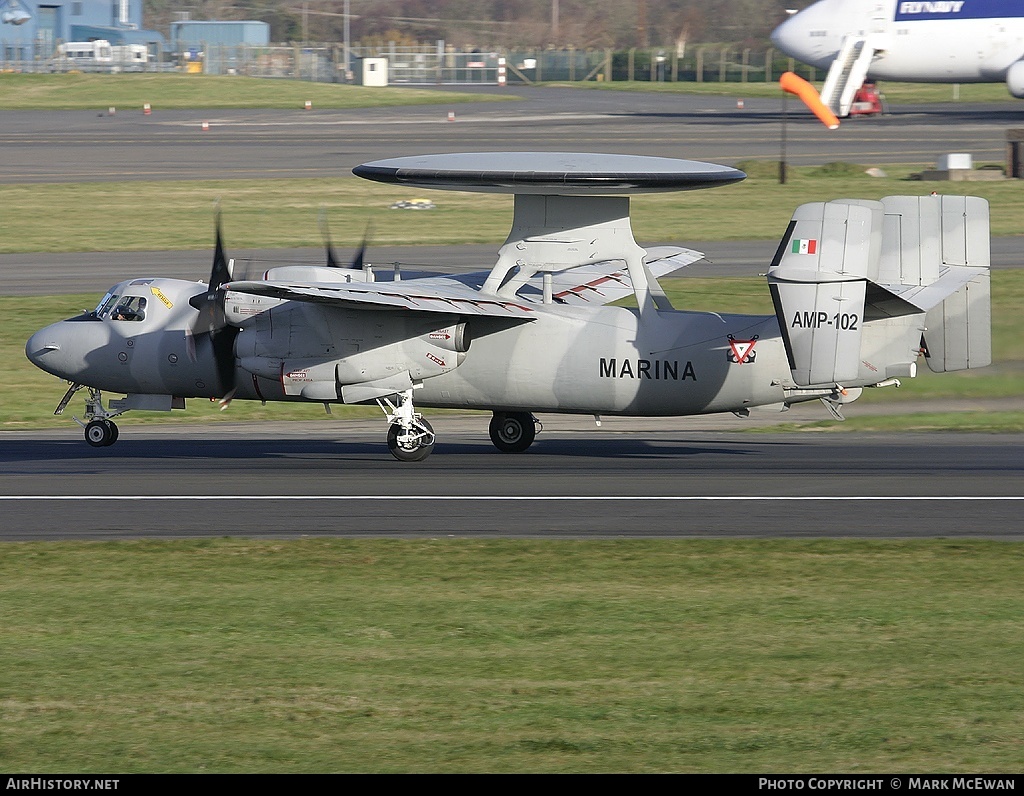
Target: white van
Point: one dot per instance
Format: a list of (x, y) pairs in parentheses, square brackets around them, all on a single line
[(100, 55)]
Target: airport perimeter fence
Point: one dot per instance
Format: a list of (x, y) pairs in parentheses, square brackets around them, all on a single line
[(438, 64)]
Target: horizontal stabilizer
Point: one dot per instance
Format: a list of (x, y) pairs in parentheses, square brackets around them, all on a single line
[(895, 300)]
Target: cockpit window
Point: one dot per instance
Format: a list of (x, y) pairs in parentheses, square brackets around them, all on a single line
[(106, 305), (129, 308)]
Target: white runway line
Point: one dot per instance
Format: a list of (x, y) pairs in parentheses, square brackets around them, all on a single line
[(560, 498)]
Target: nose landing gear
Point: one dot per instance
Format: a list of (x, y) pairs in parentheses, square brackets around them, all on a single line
[(100, 429), (101, 433)]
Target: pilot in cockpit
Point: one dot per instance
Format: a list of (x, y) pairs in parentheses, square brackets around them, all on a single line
[(132, 308)]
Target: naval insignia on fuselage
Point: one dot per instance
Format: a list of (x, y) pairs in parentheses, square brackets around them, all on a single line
[(741, 351)]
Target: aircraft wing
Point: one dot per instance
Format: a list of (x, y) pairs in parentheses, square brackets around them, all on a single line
[(607, 281), (441, 296), (593, 285)]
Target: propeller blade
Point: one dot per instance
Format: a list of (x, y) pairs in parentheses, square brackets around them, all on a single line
[(212, 323), (332, 260), (358, 260), (223, 342), (220, 273)]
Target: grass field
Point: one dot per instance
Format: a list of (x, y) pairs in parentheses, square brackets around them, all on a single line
[(512, 656), (283, 213), (178, 91), (187, 92)]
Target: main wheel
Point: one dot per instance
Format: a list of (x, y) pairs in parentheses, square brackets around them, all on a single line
[(415, 451), (512, 432), (101, 433)]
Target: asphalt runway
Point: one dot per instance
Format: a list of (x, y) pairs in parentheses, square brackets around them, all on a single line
[(630, 478), (684, 477), (74, 146)]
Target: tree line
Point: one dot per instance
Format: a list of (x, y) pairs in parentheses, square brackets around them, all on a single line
[(583, 24)]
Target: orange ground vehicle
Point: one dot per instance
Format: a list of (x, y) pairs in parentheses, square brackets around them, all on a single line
[(867, 101)]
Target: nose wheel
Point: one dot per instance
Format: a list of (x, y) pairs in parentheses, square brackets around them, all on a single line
[(100, 430), (101, 433)]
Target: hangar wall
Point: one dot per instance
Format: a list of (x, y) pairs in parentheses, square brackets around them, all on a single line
[(30, 30)]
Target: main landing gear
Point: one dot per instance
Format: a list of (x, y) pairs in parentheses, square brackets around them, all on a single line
[(513, 432), (100, 429), (410, 437)]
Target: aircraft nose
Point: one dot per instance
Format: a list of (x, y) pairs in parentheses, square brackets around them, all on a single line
[(58, 348), (44, 345), (789, 36), (813, 35)]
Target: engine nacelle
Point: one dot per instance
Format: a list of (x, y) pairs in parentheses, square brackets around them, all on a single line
[(314, 351), (454, 338), (316, 381), (314, 273), (1015, 79), (320, 377)]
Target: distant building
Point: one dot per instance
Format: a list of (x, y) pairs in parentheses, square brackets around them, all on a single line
[(31, 30), (195, 34)]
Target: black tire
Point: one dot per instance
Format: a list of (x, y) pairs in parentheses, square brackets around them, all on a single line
[(100, 433), (114, 433), (416, 453), (512, 432)]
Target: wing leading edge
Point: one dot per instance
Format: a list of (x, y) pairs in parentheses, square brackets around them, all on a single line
[(412, 295)]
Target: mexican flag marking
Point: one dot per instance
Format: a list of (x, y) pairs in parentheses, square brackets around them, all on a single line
[(805, 246)]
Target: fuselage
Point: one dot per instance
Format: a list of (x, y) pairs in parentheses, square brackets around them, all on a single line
[(612, 360), (941, 41), (601, 360)]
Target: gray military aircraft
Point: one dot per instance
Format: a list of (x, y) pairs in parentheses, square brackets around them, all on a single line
[(861, 290)]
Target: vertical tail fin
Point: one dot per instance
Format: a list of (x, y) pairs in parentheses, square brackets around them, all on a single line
[(818, 285)]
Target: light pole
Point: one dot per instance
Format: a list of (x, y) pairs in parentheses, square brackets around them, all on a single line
[(782, 143), (348, 76)]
